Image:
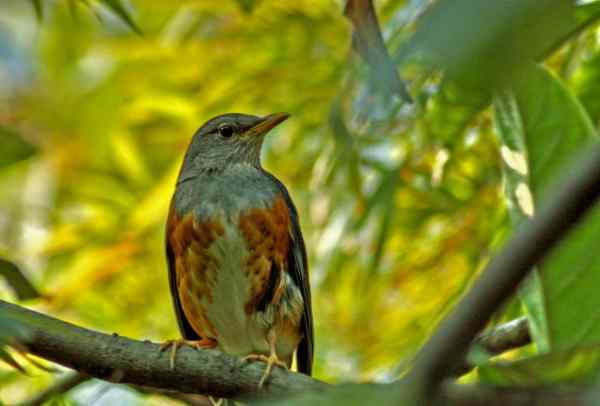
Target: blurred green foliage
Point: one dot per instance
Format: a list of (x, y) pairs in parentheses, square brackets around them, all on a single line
[(400, 204)]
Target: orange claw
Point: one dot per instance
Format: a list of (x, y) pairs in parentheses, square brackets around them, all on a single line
[(203, 343)]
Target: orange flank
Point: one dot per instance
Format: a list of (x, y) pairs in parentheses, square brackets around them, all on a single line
[(267, 237)]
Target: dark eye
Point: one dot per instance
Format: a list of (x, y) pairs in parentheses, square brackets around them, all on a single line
[(226, 130)]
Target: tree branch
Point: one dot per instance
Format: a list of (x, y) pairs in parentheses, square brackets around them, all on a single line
[(505, 337), (122, 360), (532, 242), (140, 363)]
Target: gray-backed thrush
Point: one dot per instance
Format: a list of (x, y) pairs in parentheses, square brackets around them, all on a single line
[(237, 262)]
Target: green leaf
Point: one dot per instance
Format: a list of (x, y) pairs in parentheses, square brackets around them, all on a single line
[(14, 147), (556, 130), (23, 288), (11, 333), (515, 169), (39, 9), (491, 46), (586, 82), (117, 7), (557, 127), (247, 6), (544, 128), (452, 109), (8, 359), (578, 365)]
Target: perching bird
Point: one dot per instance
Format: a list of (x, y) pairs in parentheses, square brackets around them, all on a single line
[(237, 262)]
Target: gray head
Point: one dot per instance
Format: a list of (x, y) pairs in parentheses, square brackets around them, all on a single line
[(228, 139)]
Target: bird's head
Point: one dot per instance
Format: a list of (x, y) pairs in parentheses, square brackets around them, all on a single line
[(228, 139)]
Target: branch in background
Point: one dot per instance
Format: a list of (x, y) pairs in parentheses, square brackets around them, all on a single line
[(499, 281), (504, 337), (368, 42)]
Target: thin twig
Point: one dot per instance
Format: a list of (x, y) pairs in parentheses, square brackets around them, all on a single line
[(504, 337)]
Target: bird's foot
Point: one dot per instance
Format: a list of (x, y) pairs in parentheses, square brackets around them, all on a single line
[(270, 360), (214, 401), (203, 343)]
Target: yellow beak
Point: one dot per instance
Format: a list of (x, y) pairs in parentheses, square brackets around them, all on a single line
[(267, 123)]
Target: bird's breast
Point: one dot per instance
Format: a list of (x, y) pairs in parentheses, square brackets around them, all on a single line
[(230, 263)]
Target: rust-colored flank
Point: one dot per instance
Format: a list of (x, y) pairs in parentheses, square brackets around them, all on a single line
[(267, 237)]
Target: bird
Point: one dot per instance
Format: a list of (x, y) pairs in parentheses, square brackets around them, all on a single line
[(236, 256)]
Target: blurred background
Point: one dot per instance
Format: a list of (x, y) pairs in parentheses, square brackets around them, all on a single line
[(400, 204)]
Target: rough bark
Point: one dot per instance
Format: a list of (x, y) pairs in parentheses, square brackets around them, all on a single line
[(123, 360)]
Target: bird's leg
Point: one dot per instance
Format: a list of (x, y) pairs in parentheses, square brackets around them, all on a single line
[(271, 360), (203, 343)]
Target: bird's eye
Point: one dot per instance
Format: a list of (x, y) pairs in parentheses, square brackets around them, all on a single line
[(226, 130)]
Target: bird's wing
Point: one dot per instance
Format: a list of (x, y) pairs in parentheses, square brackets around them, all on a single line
[(298, 269), (185, 327)]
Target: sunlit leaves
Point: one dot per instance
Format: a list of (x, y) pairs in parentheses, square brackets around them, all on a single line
[(39, 9), (586, 83), (247, 5), (119, 9), (400, 205), (14, 147), (116, 6)]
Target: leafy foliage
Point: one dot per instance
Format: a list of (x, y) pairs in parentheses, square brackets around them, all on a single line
[(400, 204)]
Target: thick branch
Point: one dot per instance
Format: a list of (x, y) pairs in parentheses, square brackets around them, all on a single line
[(533, 241), (122, 360)]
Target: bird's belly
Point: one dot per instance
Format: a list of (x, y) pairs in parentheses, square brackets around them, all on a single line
[(215, 298), (238, 333)]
